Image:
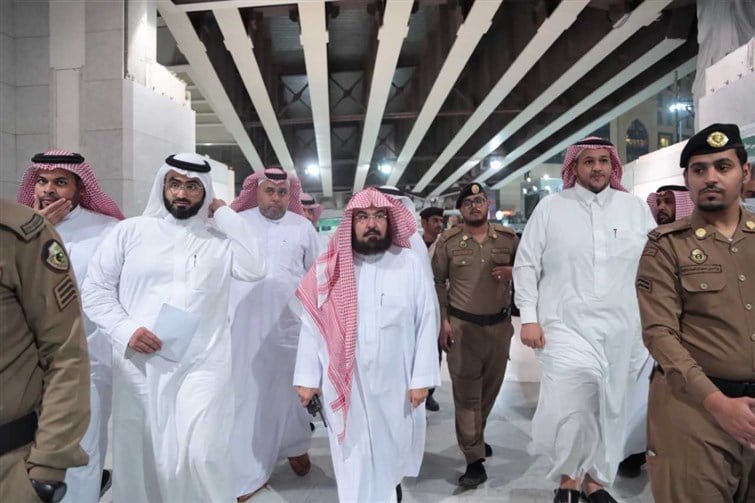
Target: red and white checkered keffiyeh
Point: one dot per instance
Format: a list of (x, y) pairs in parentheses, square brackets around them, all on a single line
[(92, 196), (682, 202), (328, 291), (308, 202), (569, 168), (247, 199)]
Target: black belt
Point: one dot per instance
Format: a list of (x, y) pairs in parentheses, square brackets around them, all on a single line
[(479, 319), (734, 389), (18, 432)]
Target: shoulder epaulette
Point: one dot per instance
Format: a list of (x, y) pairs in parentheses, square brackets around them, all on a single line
[(669, 228), (450, 233), (21, 220), (503, 228)]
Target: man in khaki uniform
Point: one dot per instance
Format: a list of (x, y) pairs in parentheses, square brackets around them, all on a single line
[(476, 259), (696, 291), (44, 367)]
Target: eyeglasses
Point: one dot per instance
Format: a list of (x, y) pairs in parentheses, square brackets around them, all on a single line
[(477, 201), (363, 218), (191, 187)]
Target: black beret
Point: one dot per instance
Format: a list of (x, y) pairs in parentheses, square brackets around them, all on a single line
[(712, 139), (432, 211), (470, 190)]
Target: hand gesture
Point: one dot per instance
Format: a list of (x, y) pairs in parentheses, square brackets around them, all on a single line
[(214, 205), (734, 415), (144, 341), (56, 211), (532, 336), (417, 396)]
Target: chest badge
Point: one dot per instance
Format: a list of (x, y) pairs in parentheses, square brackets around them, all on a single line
[(54, 256), (463, 244), (700, 233), (698, 256)]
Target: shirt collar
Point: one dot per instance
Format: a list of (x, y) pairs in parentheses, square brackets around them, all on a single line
[(703, 229), (589, 196), (73, 213)]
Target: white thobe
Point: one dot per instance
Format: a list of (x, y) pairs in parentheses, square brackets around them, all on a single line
[(82, 231), (397, 332), (172, 421), (574, 274), (265, 322)]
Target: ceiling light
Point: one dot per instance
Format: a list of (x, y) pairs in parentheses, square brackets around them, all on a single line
[(495, 164), (385, 168), (546, 176), (312, 170), (524, 190), (499, 215)]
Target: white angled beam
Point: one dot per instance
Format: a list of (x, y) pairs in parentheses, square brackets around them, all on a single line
[(642, 16), (391, 36), (240, 46), (475, 25), (314, 40), (640, 65), (559, 21), (204, 76), (233, 4), (647, 93)]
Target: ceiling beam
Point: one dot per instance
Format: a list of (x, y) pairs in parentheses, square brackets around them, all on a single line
[(232, 4), (476, 24), (390, 37), (559, 21), (239, 44), (640, 17), (647, 93), (640, 65), (314, 40), (203, 74)]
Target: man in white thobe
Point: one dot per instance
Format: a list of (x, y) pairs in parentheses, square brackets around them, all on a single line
[(312, 212), (61, 186), (265, 323), (369, 343), (574, 276), (158, 286)]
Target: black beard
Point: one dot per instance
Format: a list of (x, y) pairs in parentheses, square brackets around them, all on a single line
[(712, 208), (180, 212), (476, 223), (371, 246), (663, 218)]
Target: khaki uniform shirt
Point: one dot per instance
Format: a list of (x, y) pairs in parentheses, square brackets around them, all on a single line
[(44, 364), (468, 266), (696, 290)]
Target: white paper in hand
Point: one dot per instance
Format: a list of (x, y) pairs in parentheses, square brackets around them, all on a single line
[(175, 328)]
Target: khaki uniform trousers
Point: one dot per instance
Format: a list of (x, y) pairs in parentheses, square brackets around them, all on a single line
[(14, 479), (690, 458), (477, 362)]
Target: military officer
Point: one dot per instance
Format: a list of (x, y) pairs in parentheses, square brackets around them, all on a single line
[(696, 291), (44, 367), (476, 259)]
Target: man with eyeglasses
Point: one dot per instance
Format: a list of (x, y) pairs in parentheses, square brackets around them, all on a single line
[(265, 323), (158, 285), (574, 277), (61, 186), (368, 347), (472, 268)]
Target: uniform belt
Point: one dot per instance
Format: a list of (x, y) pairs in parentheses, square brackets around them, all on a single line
[(18, 432), (479, 319), (734, 389)]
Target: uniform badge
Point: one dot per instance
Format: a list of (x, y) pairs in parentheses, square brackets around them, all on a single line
[(701, 233), (475, 189), (55, 257), (463, 244), (750, 224), (717, 139), (698, 256)]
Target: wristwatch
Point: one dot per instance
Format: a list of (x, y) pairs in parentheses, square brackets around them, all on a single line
[(49, 492)]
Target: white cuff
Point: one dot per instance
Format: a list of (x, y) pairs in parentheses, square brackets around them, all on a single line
[(528, 314)]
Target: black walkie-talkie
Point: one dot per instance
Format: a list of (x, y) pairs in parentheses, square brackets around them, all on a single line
[(314, 407)]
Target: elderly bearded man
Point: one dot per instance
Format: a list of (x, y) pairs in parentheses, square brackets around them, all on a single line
[(574, 277), (61, 186), (265, 323), (171, 269), (368, 341)]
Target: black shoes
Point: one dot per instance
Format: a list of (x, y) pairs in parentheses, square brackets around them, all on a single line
[(431, 404), (105, 482), (488, 450), (399, 494), (474, 476), (599, 496), (631, 467), (566, 496)]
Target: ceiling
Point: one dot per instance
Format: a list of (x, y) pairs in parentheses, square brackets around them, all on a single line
[(442, 92)]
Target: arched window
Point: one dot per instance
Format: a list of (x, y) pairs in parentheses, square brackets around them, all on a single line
[(637, 140)]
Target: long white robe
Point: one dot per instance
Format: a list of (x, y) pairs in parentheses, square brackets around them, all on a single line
[(397, 332), (574, 274), (82, 231), (265, 323), (172, 421)]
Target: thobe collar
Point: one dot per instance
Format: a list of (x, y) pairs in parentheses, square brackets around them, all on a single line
[(369, 259), (73, 213), (270, 220), (194, 221), (703, 230), (589, 196)]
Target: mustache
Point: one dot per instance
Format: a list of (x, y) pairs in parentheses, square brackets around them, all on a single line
[(181, 200)]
